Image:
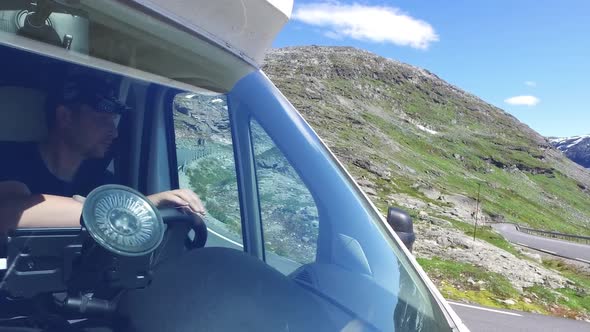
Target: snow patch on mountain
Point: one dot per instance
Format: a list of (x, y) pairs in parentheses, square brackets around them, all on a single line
[(430, 131), (564, 143), (577, 148)]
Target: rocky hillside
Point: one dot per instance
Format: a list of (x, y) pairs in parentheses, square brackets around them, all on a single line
[(412, 140), (576, 148)]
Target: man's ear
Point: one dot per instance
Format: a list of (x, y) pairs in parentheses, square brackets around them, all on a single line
[(63, 117)]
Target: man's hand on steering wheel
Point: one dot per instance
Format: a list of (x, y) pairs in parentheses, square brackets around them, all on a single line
[(184, 199), (190, 204)]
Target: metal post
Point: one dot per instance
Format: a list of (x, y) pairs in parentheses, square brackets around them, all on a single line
[(476, 210)]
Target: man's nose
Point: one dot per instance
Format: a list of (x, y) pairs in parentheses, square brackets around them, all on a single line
[(114, 131)]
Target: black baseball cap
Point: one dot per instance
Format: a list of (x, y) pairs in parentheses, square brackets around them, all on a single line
[(93, 91)]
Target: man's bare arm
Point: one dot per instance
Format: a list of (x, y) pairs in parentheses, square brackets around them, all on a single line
[(39, 211), (20, 209)]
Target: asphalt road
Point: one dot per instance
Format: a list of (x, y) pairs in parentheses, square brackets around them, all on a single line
[(577, 251), (481, 319)]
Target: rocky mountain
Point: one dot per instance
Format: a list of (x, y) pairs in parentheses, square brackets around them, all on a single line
[(577, 148), (412, 140)]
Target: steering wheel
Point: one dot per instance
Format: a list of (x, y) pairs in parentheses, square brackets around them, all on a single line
[(178, 237), (176, 219)]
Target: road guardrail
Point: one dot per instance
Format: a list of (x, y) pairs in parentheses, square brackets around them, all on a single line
[(555, 235)]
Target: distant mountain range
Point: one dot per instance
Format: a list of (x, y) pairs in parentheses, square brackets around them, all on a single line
[(577, 148)]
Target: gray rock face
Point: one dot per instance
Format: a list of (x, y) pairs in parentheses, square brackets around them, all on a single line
[(576, 148), (436, 241), (200, 117)]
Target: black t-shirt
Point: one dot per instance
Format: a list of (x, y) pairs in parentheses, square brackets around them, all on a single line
[(22, 162)]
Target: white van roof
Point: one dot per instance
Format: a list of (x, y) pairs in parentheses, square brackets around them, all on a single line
[(246, 27)]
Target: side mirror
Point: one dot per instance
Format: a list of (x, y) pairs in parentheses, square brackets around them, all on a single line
[(402, 224)]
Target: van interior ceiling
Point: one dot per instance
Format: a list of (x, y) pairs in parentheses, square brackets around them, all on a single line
[(109, 30)]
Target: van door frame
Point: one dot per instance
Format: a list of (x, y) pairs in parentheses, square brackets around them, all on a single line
[(247, 182)]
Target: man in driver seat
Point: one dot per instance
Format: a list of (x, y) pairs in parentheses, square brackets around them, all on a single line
[(40, 182)]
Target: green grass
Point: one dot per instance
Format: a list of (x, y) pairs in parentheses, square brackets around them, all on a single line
[(214, 180), (569, 271), (552, 202), (485, 233), (489, 299), (576, 297), (459, 273), (521, 199), (451, 278)]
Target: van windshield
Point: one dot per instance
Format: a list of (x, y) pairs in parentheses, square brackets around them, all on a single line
[(317, 229)]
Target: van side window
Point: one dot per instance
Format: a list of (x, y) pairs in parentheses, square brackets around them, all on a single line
[(289, 214), (206, 162)]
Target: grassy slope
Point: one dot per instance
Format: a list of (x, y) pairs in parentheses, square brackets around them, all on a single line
[(373, 115), (522, 198), (473, 130), (494, 290)]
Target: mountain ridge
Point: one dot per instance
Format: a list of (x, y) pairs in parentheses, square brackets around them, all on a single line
[(433, 133), (414, 141)]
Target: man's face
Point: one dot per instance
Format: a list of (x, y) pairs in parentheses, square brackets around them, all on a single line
[(91, 133)]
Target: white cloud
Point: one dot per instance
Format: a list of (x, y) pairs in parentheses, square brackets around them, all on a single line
[(531, 83), (523, 100), (367, 23)]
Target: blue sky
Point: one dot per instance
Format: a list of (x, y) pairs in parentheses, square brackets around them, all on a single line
[(530, 58)]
